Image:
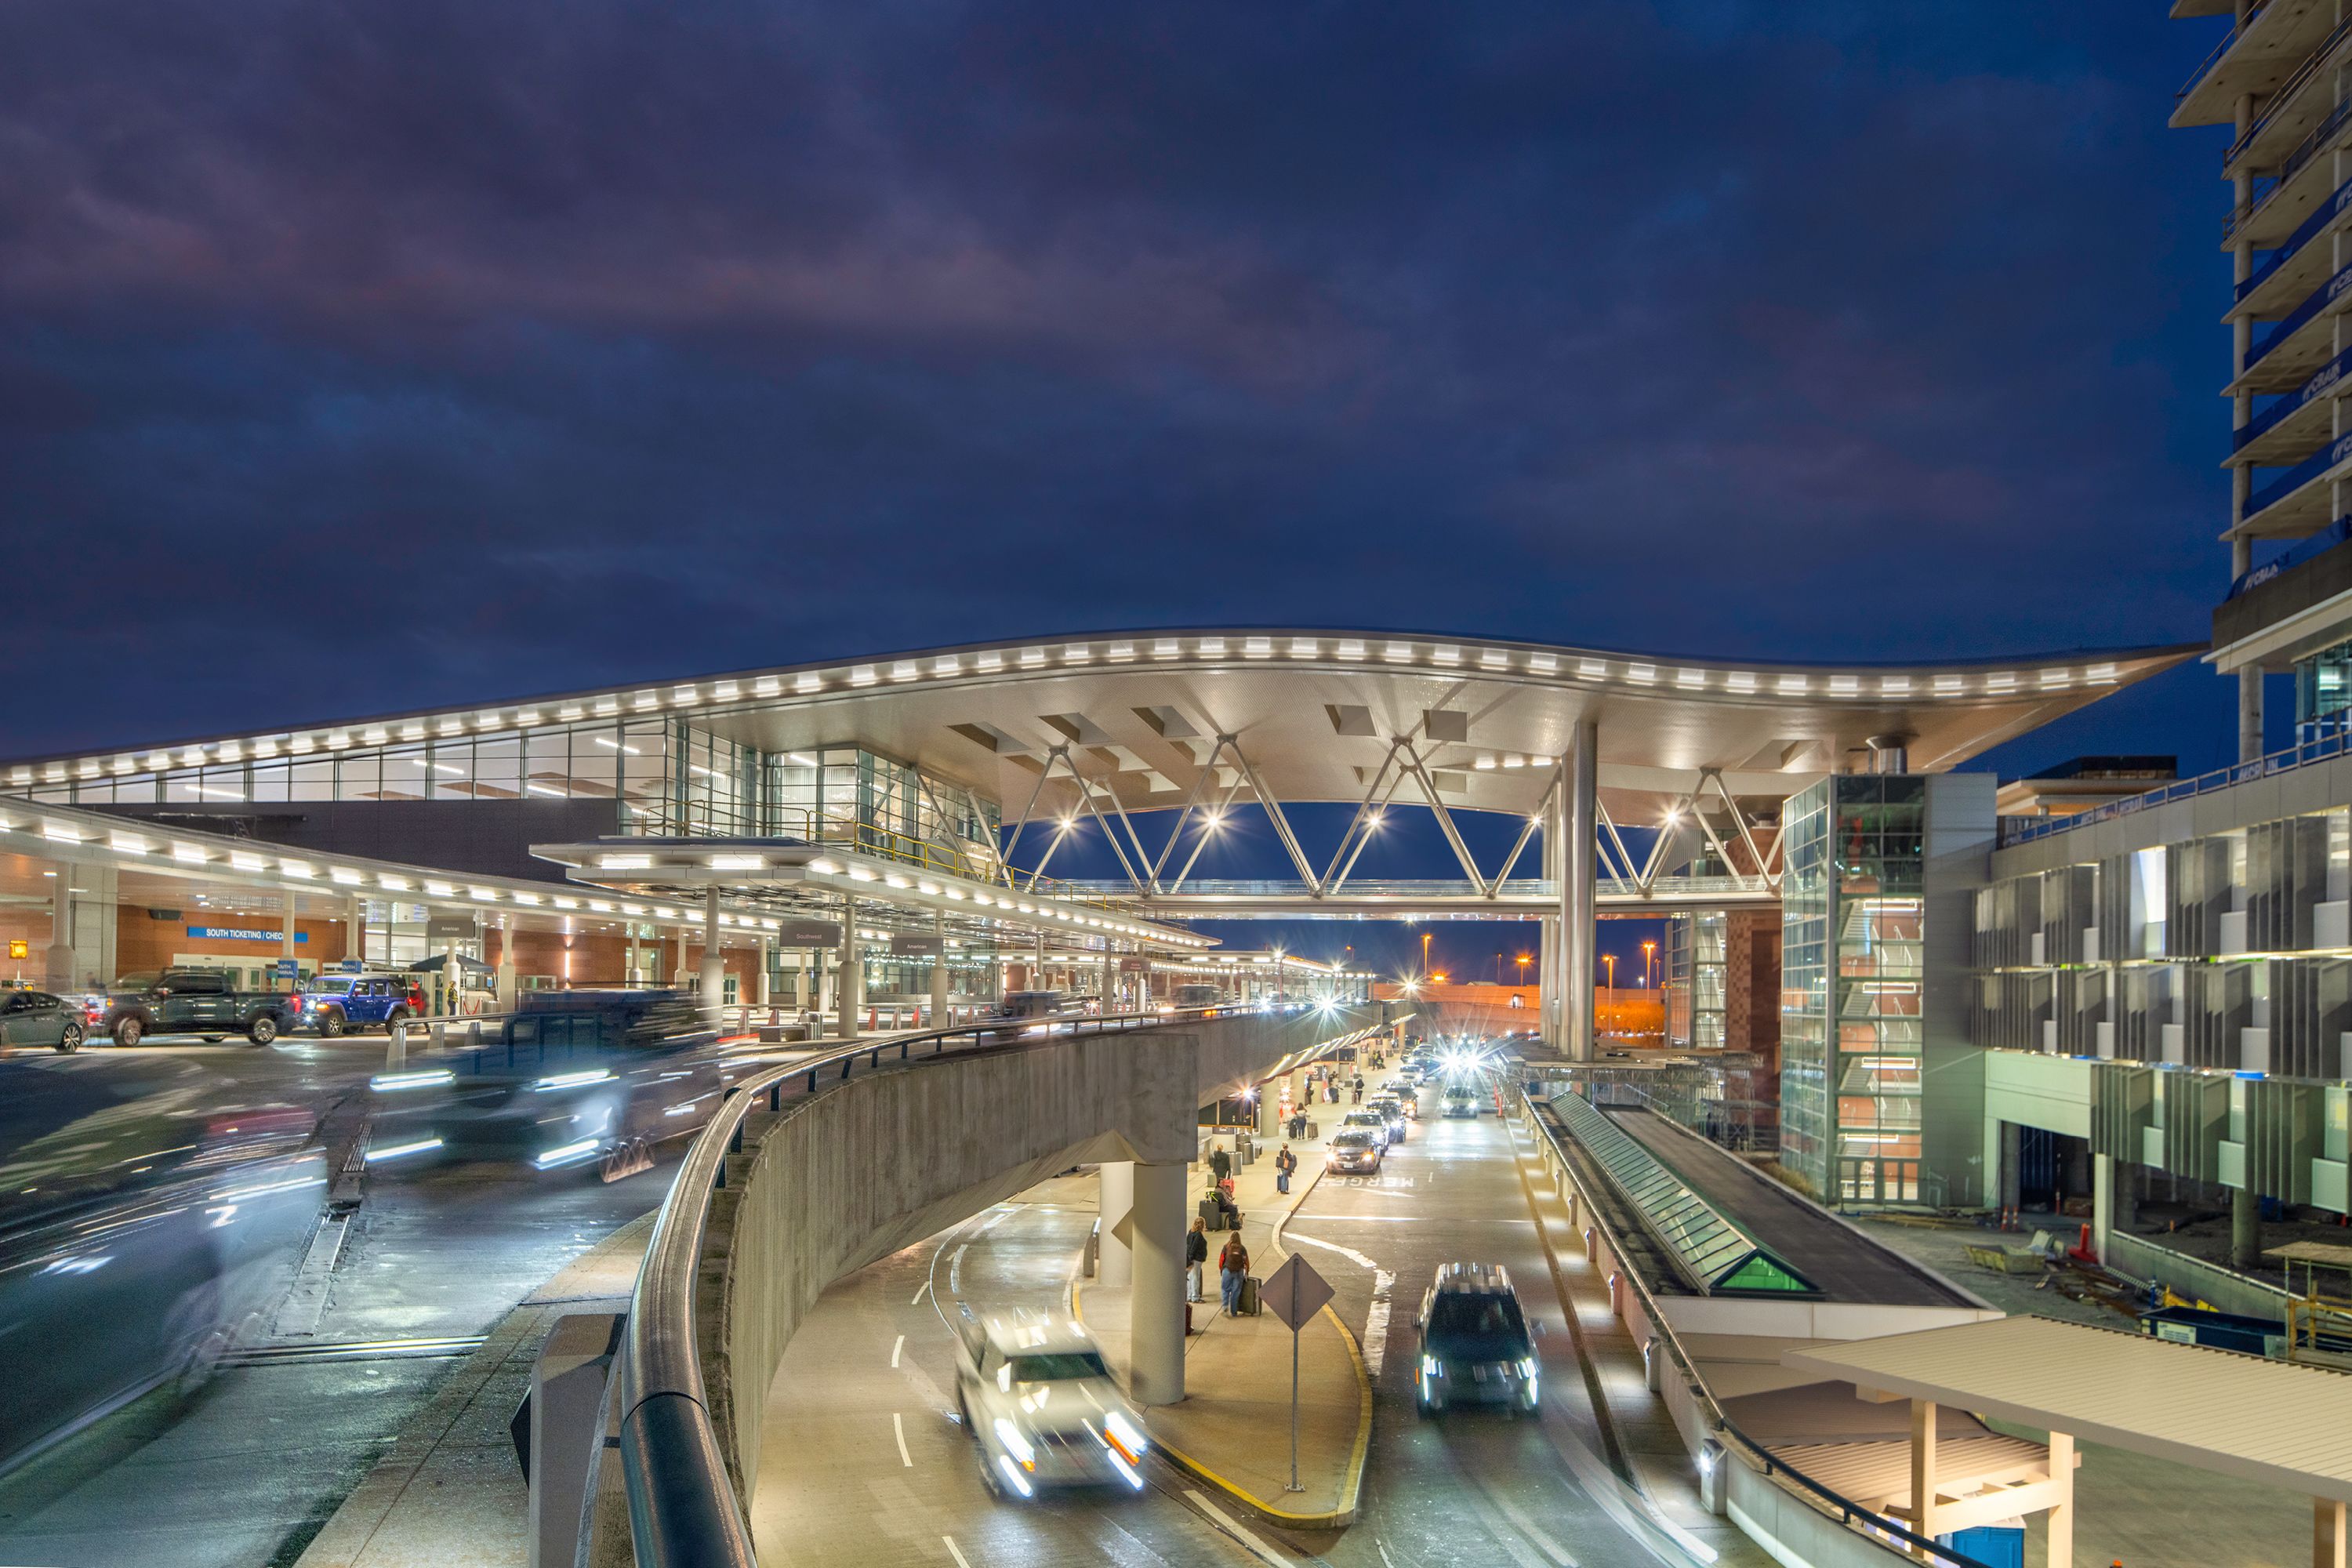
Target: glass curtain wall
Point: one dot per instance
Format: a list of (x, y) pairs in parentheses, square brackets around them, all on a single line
[(1852, 972)]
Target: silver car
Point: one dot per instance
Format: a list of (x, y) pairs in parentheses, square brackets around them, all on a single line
[(1352, 1153), (1042, 1408)]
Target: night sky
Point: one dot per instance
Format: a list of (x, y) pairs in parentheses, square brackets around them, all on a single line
[(362, 357)]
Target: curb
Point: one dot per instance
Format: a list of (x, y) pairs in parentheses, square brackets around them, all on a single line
[(1352, 1490)]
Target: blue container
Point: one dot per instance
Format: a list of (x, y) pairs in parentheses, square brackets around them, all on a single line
[(1994, 1545)]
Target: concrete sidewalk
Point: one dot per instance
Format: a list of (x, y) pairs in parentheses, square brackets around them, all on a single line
[(1233, 1430), (450, 1493)]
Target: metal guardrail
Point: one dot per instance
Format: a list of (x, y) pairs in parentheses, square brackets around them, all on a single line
[(1851, 1514), (2292, 165), (2283, 98), (2017, 830), (682, 1511), (2228, 41)]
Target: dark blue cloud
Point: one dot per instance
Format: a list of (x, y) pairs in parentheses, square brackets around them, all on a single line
[(356, 356)]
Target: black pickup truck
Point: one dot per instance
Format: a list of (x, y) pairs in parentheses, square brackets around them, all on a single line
[(189, 1002)]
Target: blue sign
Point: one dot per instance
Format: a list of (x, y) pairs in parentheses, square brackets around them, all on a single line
[(286, 970), (231, 934), (351, 966)]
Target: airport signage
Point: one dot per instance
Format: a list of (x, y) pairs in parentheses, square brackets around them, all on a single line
[(915, 947), (806, 933), (234, 933)]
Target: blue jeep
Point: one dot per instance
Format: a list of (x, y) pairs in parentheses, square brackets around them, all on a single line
[(332, 1005)]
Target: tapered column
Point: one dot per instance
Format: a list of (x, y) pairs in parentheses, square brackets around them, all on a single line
[(1579, 845), (940, 973), (58, 968), (850, 989), (358, 929), (1115, 1262), (508, 996), (767, 968), (1156, 1357)]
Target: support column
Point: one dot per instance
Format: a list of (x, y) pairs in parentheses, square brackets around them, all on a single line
[(1115, 1184), (2062, 1512), (2326, 1533), (2013, 1175), (714, 963), (1156, 1355), (358, 929), (1923, 1467), (507, 996), (940, 973), (2103, 1203), (1110, 980), (767, 971), (2245, 1229), (1580, 845), (58, 968), (849, 989)]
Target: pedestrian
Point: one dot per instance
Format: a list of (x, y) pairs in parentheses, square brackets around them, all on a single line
[(1196, 1254), (1232, 1268), (1360, 1092), (1220, 1162), (1283, 1163)]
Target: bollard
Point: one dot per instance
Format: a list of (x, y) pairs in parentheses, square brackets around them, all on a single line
[(395, 1051)]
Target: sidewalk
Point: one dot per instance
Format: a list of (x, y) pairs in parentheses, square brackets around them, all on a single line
[(1233, 1430), (449, 1491)]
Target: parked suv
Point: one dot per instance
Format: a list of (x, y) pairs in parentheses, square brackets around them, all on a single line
[(1474, 1344), (191, 1001), (336, 1004)]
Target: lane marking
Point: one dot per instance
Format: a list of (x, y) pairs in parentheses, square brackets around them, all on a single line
[(900, 1345), (1383, 1550), (956, 1552), (1376, 1323), (1527, 1527), (1233, 1528), (955, 1273), (920, 1294), (898, 1430)]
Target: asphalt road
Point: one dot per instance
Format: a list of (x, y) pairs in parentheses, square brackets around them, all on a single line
[(866, 1465)]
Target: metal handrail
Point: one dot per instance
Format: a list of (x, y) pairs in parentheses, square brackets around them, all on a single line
[(682, 1511), (1850, 1513), (2289, 168), (2026, 829), (2288, 92), (2205, 67)]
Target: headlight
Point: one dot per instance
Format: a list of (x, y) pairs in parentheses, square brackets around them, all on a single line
[(1015, 1443), (431, 1077), (572, 1080), (1527, 1366), (566, 1155), (1122, 1432), (1012, 1473), (1429, 1367)]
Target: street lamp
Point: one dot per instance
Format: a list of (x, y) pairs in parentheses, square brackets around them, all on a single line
[(1648, 949), (1610, 960), (1524, 959)]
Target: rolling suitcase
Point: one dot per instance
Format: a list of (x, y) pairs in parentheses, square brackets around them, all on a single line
[(1251, 1306), (1213, 1214)]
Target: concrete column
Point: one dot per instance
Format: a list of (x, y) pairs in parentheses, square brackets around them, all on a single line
[(453, 981), (1143, 985), (678, 972), (2012, 1177), (1115, 1182), (1579, 847), (714, 962), (2245, 1230), (507, 998), (2062, 1513), (57, 968), (940, 973), (358, 929), (1109, 982), (850, 987), (2103, 1205), (2326, 1533), (1156, 1357), (767, 967), (1923, 1467)]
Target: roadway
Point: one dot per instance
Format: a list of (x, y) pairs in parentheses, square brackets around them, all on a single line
[(865, 1462), (244, 1470)]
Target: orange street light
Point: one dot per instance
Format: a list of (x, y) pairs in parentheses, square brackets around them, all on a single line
[(1649, 950), (1610, 960)]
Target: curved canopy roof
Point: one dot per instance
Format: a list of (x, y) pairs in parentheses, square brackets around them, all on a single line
[(1312, 712)]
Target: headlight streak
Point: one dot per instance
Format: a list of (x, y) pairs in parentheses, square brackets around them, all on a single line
[(400, 1150), (564, 1154)]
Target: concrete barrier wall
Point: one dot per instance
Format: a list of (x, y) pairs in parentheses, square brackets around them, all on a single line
[(881, 1160), (2224, 1288)]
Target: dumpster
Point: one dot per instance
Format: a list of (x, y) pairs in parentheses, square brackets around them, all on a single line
[(2216, 1330)]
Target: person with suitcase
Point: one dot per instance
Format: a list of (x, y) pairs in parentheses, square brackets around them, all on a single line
[(1283, 1163), (1196, 1256), (1232, 1268)]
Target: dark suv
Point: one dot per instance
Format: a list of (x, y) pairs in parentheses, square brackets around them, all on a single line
[(1475, 1348)]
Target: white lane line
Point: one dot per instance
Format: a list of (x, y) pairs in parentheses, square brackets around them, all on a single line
[(1527, 1527), (898, 1430), (899, 1346), (955, 1271), (920, 1294), (1349, 1252), (956, 1552), (1376, 1323), (1383, 1550), (1226, 1523)]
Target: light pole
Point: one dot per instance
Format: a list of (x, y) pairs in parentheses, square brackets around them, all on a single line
[(1648, 949), (1425, 953)]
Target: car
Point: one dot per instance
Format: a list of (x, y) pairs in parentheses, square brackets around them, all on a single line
[(192, 1001), (1461, 1100), (1392, 1108), (1354, 1152), (1370, 1122), (334, 1005), (1042, 1408), (1043, 1006), (1476, 1347), (35, 1020)]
